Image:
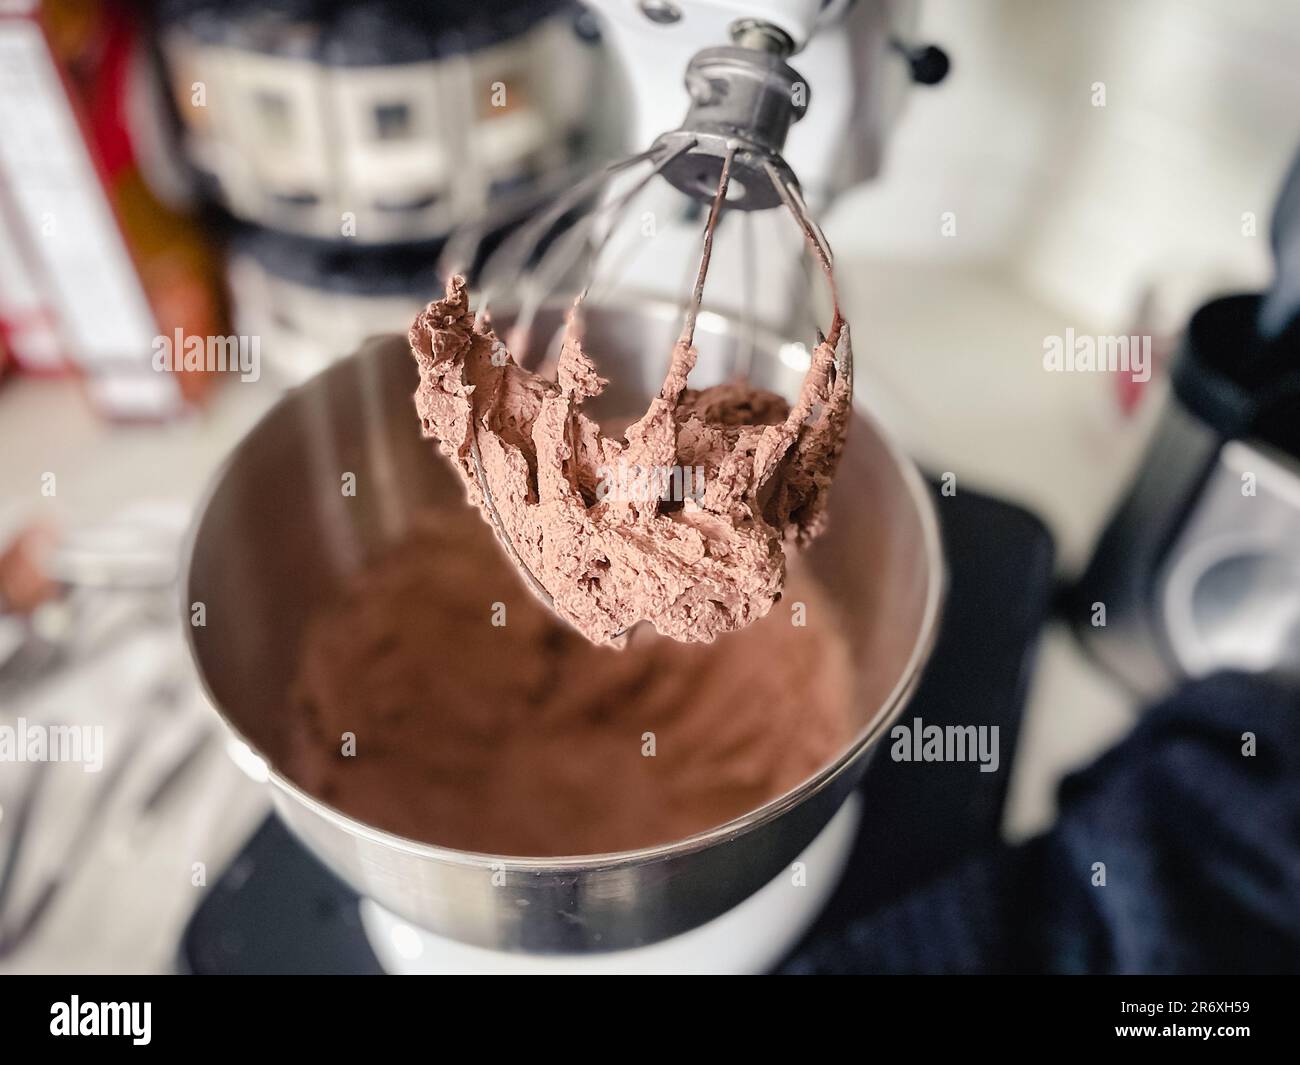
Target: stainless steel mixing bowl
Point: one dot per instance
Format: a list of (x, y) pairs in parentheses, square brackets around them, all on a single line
[(276, 538)]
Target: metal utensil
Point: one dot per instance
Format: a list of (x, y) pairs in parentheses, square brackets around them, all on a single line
[(14, 932)]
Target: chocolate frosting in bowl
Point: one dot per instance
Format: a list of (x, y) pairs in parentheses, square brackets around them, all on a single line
[(480, 721)]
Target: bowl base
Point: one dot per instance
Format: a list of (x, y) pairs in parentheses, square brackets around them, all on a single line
[(750, 938)]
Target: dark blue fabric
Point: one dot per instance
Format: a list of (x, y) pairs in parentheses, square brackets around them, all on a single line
[(1201, 845)]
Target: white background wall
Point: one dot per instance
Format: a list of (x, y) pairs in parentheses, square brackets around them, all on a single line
[(1085, 204)]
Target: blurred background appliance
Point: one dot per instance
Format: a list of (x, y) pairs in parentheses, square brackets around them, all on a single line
[(1199, 568), (381, 121), (358, 141), (310, 301)]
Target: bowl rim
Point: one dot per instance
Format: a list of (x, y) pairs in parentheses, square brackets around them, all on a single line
[(869, 734)]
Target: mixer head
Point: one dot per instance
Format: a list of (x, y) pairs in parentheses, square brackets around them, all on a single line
[(744, 99), (726, 153)]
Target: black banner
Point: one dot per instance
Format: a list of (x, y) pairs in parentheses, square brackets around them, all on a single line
[(342, 1013)]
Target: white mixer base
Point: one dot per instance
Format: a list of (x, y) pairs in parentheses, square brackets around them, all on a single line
[(750, 938)]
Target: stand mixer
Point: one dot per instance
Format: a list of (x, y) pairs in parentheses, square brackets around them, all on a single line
[(723, 899)]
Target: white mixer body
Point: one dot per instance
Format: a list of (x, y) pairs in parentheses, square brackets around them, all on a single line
[(856, 86), (842, 48)]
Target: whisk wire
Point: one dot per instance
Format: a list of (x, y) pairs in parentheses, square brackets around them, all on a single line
[(621, 204), (793, 200), (522, 245), (557, 259), (710, 227)]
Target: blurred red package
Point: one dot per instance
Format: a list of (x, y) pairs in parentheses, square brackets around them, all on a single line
[(93, 265)]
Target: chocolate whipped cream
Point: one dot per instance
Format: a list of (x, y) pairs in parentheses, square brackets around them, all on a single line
[(482, 722), (695, 567)]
